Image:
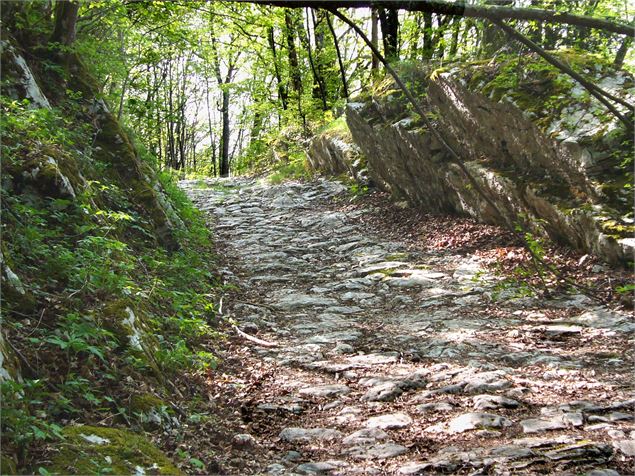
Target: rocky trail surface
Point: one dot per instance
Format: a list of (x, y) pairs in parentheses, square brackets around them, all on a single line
[(360, 357)]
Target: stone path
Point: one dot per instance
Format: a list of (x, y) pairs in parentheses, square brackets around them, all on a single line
[(390, 362)]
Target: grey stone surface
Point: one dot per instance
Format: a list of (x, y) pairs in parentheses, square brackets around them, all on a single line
[(293, 435), (471, 421), (389, 421), (438, 407), (490, 402), (627, 447), (556, 422), (320, 467), (326, 390), (359, 321), (365, 436), (378, 451), (383, 392)]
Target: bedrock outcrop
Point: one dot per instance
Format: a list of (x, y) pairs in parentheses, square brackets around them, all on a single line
[(540, 149)]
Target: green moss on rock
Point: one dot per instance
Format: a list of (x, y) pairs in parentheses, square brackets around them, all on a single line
[(145, 403), (94, 450)]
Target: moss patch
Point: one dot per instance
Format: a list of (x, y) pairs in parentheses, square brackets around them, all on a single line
[(91, 450), (145, 403)]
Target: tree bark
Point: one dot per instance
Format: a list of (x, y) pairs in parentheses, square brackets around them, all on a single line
[(319, 88), (210, 129), (445, 7), (339, 57), (224, 153), (389, 22), (65, 22), (374, 35), (282, 92), (456, 29), (292, 53), (428, 46), (621, 52)]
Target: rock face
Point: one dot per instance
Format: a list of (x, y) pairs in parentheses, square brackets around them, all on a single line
[(551, 166), (334, 153)]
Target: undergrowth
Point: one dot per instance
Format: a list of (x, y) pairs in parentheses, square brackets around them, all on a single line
[(86, 263)]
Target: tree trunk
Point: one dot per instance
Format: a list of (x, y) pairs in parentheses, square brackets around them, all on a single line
[(339, 58), (621, 52), (438, 39), (294, 66), (428, 46), (210, 129), (374, 35), (65, 22), (224, 152), (282, 92), (456, 29), (319, 88), (414, 39), (389, 22)]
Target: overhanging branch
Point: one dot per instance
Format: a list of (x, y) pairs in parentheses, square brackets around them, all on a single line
[(462, 9)]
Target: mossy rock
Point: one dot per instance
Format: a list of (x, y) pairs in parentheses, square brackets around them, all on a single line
[(120, 318), (50, 172), (145, 403), (92, 450), (151, 412)]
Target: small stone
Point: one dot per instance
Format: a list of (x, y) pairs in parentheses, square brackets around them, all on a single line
[(487, 433), (471, 421), (448, 389), (617, 434), (276, 468), (244, 441), (486, 382), (557, 422), (602, 472), (375, 359), (343, 348), (625, 446), (511, 451), (562, 330), (487, 402), (389, 421), (296, 301), (292, 456), (598, 452), (380, 451), (435, 407), (619, 416), (309, 434), (249, 328), (384, 392), (365, 436), (320, 467), (415, 468), (356, 296), (326, 390)]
